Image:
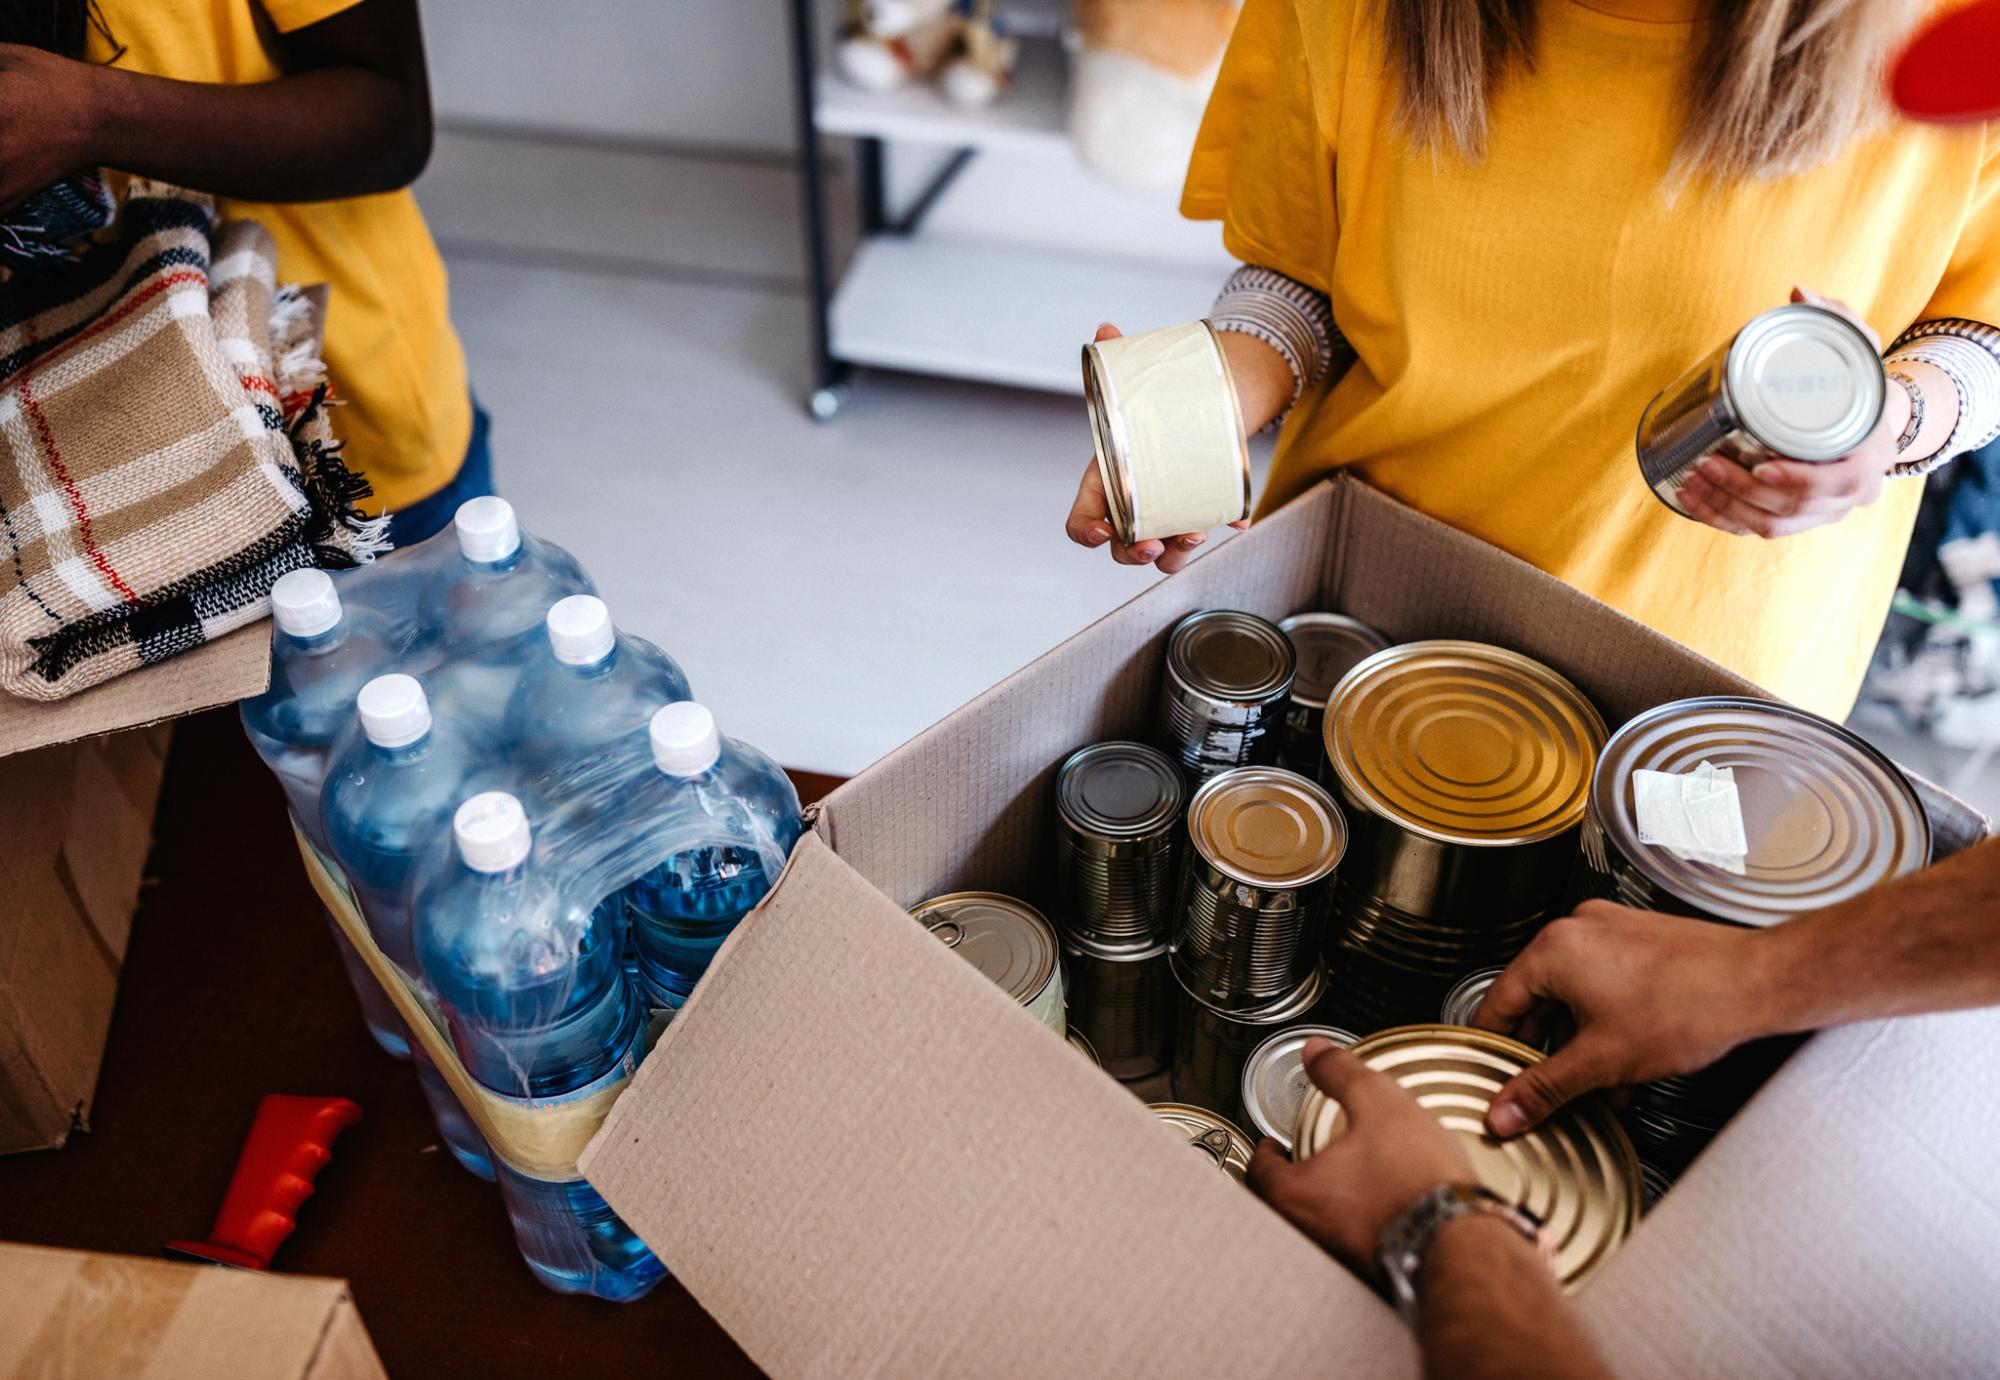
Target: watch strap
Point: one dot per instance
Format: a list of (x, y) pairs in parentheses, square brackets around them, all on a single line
[(1406, 1241)]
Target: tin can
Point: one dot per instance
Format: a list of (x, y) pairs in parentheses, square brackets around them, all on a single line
[(1576, 1172), (1464, 771), (1328, 645), (1653, 1185), (1118, 817), (1171, 448), (1252, 905), (1009, 941), (1826, 816), (1081, 1045), (1122, 999), (1229, 676), (1275, 1081), (1212, 1044), (1213, 1136), (1671, 1120), (1799, 381), (1461, 1003)]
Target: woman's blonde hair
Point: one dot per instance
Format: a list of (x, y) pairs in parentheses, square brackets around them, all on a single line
[(1775, 87)]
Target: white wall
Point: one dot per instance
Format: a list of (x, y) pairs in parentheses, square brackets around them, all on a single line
[(714, 72)]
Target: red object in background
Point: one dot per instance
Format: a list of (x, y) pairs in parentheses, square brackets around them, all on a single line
[(290, 1142), (1950, 72)]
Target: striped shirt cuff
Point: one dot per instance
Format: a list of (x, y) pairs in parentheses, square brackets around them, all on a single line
[(1285, 314), (1968, 353)]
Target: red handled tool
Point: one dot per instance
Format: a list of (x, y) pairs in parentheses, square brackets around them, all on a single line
[(290, 1142), (1950, 72)]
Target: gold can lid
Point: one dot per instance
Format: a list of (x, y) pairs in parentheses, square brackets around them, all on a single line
[(1209, 1134), (1267, 827), (1577, 1171), (1231, 657), (1463, 743), (1009, 941), (1328, 645)]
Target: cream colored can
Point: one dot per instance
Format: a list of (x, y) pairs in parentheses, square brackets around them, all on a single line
[(1170, 442)]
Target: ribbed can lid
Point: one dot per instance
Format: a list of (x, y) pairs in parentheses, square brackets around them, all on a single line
[(1275, 1081), (1463, 743), (1328, 646), (1267, 827), (1209, 1134), (1009, 941), (1826, 816), (1806, 382), (1118, 791), (1461, 1003), (1577, 1171), (1231, 657)]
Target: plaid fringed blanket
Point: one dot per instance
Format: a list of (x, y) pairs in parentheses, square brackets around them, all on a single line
[(165, 453)]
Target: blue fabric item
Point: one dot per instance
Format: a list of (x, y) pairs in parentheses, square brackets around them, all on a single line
[(429, 516)]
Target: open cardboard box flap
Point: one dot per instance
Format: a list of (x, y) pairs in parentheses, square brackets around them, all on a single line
[(865, 1161), (218, 672)]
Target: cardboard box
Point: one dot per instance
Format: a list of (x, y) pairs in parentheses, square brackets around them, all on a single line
[(81, 777), (864, 1160), (78, 1314)]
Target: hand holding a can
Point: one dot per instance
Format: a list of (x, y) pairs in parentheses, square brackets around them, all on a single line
[(1392, 1154), (1773, 495)]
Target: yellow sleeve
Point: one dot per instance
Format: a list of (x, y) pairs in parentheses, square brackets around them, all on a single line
[(288, 16), (1970, 288), (1263, 162)]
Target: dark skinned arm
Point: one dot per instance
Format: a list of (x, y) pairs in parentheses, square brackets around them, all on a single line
[(350, 117)]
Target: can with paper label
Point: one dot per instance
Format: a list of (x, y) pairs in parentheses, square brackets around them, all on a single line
[(1222, 701), (1799, 381)]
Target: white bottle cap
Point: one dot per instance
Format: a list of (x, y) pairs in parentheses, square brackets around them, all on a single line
[(580, 630), (486, 529), (394, 711), (492, 832), (685, 742), (305, 603)]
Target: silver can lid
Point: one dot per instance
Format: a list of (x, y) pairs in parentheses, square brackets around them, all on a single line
[(1117, 791), (1210, 1134), (1275, 1081), (1806, 382), (1231, 656), (1328, 646), (1007, 940), (1826, 816), (1461, 1003)]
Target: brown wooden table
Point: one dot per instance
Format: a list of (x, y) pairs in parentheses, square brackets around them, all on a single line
[(231, 990)]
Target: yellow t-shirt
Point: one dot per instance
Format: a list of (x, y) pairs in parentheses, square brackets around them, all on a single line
[(390, 351), (1513, 318)]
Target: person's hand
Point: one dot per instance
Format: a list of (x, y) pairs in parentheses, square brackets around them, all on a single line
[(1652, 995), (1392, 1153), (1090, 521), (1780, 498), (47, 119)]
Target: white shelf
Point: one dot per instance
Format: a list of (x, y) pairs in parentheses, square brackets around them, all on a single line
[(933, 304), (1032, 113)]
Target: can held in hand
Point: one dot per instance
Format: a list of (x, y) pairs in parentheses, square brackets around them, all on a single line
[(1170, 441), (1251, 915), (1275, 1081), (1799, 381), (1328, 646), (1463, 770), (1210, 1135), (1211, 1044), (1009, 941), (1825, 815), (1576, 1172), (1122, 1000), (1222, 702), (1118, 824)]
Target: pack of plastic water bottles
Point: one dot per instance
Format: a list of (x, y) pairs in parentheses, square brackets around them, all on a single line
[(537, 841)]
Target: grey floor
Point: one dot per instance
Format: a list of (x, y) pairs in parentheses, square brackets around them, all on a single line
[(636, 323)]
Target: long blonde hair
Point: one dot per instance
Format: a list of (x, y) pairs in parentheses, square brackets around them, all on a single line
[(1776, 87)]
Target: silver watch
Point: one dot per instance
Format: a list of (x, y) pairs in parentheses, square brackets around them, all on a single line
[(1405, 1241)]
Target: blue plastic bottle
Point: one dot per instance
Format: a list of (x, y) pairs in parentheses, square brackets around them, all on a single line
[(540, 1012), (321, 655), (725, 818), (388, 800), (481, 612), (588, 688)]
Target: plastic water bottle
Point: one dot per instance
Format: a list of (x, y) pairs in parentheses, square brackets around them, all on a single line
[(590, 688), (387, 802), (321, 655), (724, 819), (541, 1013)]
